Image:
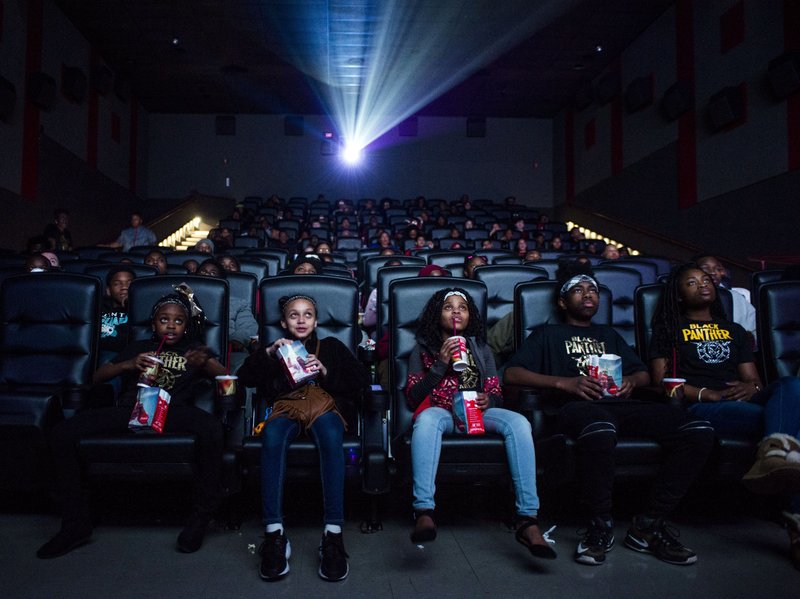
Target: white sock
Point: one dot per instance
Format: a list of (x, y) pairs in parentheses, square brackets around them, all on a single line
[(275, 527), (333, 528)]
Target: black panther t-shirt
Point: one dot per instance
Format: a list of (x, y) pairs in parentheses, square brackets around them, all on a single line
[(709, 352)]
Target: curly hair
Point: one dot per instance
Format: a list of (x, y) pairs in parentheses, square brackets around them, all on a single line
[(428, 325), (669, 311)]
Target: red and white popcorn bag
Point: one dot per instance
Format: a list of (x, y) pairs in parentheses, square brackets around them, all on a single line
[(467, 416), (150, 410), (293, 358)]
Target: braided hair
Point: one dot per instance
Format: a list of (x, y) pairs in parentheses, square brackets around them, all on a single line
[(428, 324), (669, 311), (193, 323)]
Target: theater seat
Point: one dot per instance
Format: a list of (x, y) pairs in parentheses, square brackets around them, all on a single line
[(48, 351)]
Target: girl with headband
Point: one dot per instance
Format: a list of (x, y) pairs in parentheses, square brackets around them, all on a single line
[(432, 383), (326, 409)]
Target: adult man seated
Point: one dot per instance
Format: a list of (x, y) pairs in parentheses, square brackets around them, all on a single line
[(555, 358), (136, 234)]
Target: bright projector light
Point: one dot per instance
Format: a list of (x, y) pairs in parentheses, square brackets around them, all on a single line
[(351, 154)]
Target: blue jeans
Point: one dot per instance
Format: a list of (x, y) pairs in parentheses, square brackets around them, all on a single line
[(776, 409), (426, 447), (327, 433)]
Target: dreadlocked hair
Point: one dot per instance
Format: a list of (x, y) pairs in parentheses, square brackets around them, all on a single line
[(669, 311), (428, 324)]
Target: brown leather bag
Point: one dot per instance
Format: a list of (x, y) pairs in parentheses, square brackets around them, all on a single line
[(304, 404)]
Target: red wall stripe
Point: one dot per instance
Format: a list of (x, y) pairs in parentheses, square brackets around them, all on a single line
[(687, 124), (134, 145), (791, 41), (30, 117), (92, 124), (569, 157)]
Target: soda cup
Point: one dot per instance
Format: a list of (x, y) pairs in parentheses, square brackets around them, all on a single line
[(149, 377), (460, 354), (675, 389), (226, 385)]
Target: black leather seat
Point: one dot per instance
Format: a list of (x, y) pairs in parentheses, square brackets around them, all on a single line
[(101, 270), (623, 283), (337, 316), (131, 457), (372, 264), (463, 457), (779, 328), (757, 279), (648, 270), (49, 337), (500, 281)]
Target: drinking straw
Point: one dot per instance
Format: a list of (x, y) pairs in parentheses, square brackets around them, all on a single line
[(228, 360), (160, 345), (674, 363), (454, 328)]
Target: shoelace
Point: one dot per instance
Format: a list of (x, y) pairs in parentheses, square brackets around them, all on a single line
[(667, 534), (593, 535), (546, 535)]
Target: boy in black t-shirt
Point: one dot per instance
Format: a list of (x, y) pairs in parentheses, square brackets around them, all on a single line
[(114, 312), (556, 358)]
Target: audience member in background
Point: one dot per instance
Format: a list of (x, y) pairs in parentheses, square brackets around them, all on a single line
[(539, 241), (384, 241), (694, 340), (532, 256), (305, 264), (283, 242), (487, 244), (610, 252), (206, 246), (114, 313), (543, 221), (57, 233), (336, 391), (242, 325), (158, 259), (469, 224), (224, 240), (55, 263), (370, 319), (191, 266), (135, 235), (323, 247), (521, 247), (591, 248), (744, 313), (430, 390), (455, 233), (556, 245), (575, 236), (519, 227), (185, 363), (473, 262), (229, 263), (387, 252), (555, 359), (37, 263)]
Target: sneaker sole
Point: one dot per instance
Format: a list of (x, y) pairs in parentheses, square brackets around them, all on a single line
[(329, 579), (639, 549), (588, 560)]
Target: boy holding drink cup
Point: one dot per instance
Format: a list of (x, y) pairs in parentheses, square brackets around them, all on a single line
[(555, 359)]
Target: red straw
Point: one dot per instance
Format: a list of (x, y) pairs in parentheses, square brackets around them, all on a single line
[(228, 360), (160, 345), (674, 363), (454, 328)]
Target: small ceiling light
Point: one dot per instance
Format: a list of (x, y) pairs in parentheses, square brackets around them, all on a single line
[(598, 48), (176, 42)]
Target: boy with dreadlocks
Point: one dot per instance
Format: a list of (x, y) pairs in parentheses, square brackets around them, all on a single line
[(554, 358), (693, 338), (184, 362)]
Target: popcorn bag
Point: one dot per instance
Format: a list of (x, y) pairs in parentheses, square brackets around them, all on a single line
[(466, 413), (150, 411), (610, 373), (293, 359)]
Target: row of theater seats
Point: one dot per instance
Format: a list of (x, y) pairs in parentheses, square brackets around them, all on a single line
[(48, 349)]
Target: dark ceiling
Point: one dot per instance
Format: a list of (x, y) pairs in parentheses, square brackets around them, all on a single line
[(228, 56)]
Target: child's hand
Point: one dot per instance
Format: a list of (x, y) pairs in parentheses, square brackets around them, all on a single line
[(141, 362), (198, 357)]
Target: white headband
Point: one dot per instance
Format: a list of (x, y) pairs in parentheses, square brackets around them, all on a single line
[(576, 280), (458, 293)]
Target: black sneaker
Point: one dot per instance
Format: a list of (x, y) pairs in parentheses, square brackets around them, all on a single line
[(71, 536), (660, 539), (275, 553), (597, 540), (333, 558), (191, 537)]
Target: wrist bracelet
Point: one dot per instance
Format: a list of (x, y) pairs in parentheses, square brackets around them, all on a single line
[(700, 395)]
